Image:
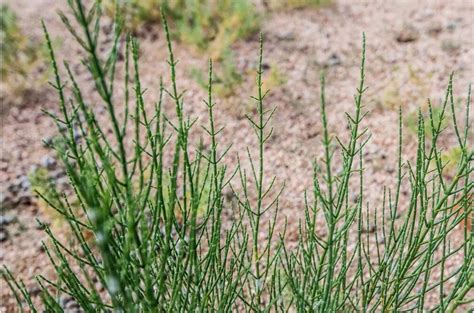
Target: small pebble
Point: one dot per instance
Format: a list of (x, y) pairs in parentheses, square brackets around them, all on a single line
[(369, 228), (435, 28), (381, 240), (48, 162), (34, 291), (452, 25), (6, 219), (285, 36), (3, 166), (3, 235), (408, 33), (334, 60), (6, 202), (450, 46)]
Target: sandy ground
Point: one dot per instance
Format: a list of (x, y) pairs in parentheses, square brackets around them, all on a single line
[(300, 44)]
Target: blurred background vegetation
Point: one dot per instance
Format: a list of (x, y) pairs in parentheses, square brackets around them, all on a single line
[(21, 57)]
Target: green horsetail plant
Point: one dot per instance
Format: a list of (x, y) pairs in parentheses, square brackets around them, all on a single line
[(263, 274), (148, 233), (150, 243), (324, 275)]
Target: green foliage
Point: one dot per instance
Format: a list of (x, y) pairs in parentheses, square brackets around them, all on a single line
[(296, 3), (449, 158), (274, 78), (227, 78), (209, 25), (155, 252), (438, 115), (136, 13), (46, 190), (40, 182), (394, 94), (20, 57), (11, 36)]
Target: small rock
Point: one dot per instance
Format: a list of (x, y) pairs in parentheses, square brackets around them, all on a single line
[(77, 135), (48, 162), (450, 46), (3, 235), (434, 28), (24, 199), (41, 248), (312, 133), (16, 192), (229, 195), (381, 240), (101, 109), (408, 33), (285, 36), (59, 174), (34, 291), (452, 25), (62, 182), (301, 46), (368, 228), (21, 183), (6, 219), (389, 169), (24, 183), (5, 201), (66, 302), (5, 156), (3, 166), (334, 60)]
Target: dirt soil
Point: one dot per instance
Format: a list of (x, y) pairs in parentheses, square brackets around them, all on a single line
[(412, 47)]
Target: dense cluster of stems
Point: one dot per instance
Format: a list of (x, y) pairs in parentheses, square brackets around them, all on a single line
[(148, 235)]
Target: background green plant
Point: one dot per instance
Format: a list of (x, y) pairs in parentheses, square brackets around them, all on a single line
[(411, 120), (211, 25), (154, 251), (42, 184), (279, 4), (21, 57)]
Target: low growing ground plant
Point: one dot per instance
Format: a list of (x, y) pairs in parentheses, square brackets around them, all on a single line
[(42, 184), (227, 78), (154, 251), (211, 25), (279, 4), (411, 119), (21, 57)]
